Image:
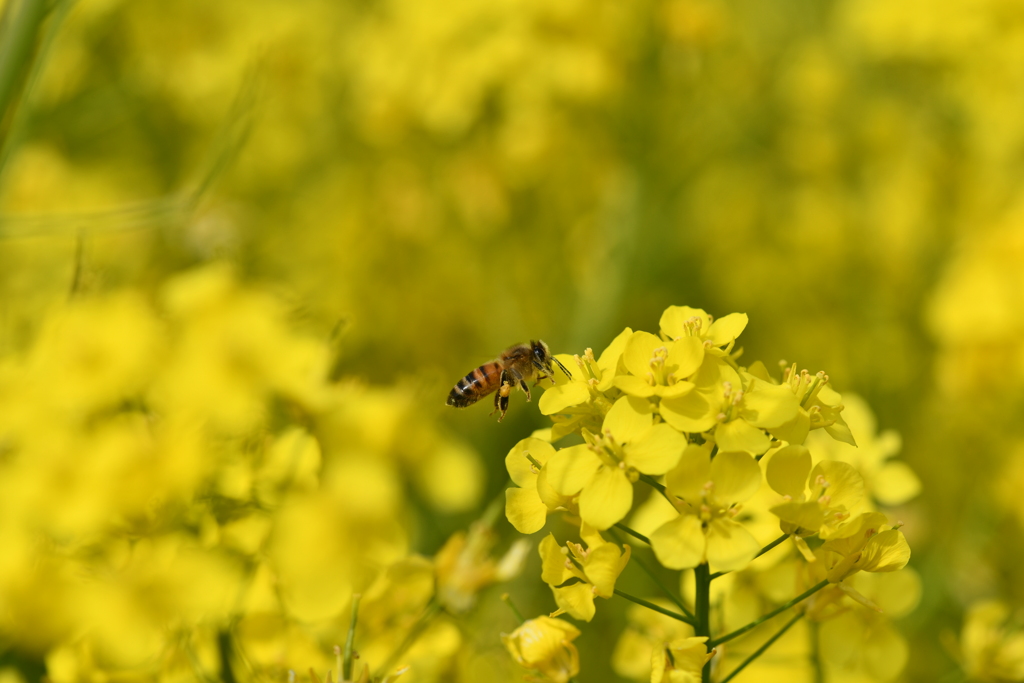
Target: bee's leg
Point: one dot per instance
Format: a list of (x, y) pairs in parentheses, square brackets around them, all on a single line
[(516, 377), (501, 396)]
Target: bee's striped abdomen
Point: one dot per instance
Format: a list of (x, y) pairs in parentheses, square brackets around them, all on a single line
[(474, 386)]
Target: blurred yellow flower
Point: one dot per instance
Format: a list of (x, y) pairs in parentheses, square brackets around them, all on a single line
[(680, 661), (991, 647), (544, 645)]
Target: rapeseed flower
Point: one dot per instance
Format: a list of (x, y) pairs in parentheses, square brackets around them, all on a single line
[(680, 661), (818, 500), (578, 574), (991, 646), (707, 493), (603, 470), (544, 646), (528, 504)]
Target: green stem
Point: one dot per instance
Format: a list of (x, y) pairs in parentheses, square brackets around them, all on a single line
[(15, 120), (658, 486), (650, 572), (779, 610), (346, 666), (760, 650), (761, 552), (511, 605), (227, 674), (20, 30), (816, 667), (651, 481), (651, 605), (702, 608), (634, 534)]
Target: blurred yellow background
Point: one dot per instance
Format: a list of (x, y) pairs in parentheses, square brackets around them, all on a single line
[(419, 186)]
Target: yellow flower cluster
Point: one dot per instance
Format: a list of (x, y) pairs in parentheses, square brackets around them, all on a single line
[(722, 449), (181, 487)]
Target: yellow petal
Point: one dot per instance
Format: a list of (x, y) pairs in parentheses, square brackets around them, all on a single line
[(558, 398), (576, 600), (553, 569), (548, 495), (737, 476), (603, 566), (570, 469), (629, 419), (886, 652), (739, 435), (524, 510), (730, 546), (680, 544), (787, 470), (885, 552), (657, 451), (769, 405), (607, 498), (845, 484), (807, 516), (727, 328), (840, 431), (896, 483), (796, 430), (639, 351), (633, 385), (691, 413), (609, 359), (687, 479), (684, 357), (676, 390), (519, 467), (674, 319)]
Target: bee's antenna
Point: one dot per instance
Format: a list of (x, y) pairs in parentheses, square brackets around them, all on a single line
[(559, 364)]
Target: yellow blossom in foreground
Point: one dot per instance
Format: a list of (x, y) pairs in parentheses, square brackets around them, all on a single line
[(579, 402), (818, 500), (544, 645), (866, 543), (528, 504), (577, 574), (680, 661), (749, 407), (707, 492), (602, 471)]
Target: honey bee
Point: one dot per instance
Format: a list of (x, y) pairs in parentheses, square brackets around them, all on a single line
[(514, 367)]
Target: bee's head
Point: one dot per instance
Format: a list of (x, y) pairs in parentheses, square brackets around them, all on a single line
[(543, 359), (540, 352)]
